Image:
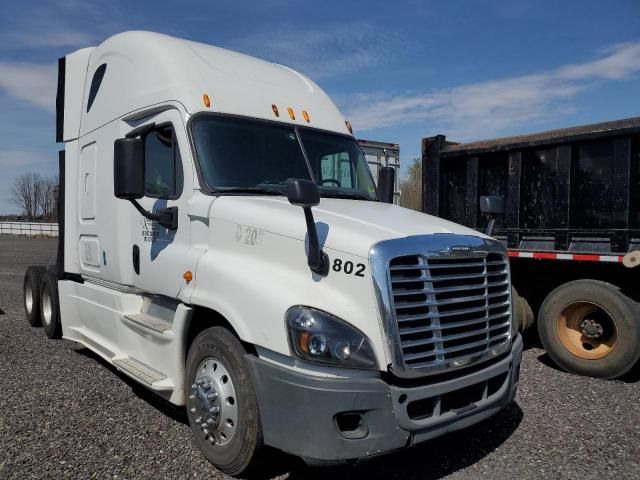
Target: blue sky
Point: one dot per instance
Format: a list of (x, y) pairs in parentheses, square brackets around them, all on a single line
[(398, 70)]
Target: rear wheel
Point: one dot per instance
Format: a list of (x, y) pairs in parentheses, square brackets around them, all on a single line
[(221, 402), (590, 328), (50, 305), (31, 293)]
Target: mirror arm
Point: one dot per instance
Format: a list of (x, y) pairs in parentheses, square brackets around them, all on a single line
[(167, 217), (141, 131), (318, 261), (490, 226)]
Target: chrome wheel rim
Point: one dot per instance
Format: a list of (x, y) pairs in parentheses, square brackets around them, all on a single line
[(28, 298), (212, 402), (46, 306)]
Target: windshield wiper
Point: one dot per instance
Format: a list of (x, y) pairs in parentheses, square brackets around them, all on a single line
[(249, 190), (353, 196)]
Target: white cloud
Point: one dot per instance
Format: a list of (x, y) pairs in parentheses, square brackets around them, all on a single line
[(17, 159), (327, 52), (487, 108), (52, 38), (32, 83)]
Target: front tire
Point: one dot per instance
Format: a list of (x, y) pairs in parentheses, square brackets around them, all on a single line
[(590, 328), (50, 305), (221, 402)]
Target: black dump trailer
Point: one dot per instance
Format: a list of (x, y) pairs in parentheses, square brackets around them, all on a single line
[(571, 226)]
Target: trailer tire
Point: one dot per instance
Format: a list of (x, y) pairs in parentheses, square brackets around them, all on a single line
[(216, 368), (589, 327), (50, 305), (31, 293), (522, 313)]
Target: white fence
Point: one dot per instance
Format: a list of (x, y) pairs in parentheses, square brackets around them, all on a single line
[(29, 228)]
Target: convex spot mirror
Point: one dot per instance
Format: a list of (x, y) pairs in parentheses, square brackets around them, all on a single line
[(302, 193)]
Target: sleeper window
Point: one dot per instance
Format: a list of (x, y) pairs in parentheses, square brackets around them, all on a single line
[(96, 81), (163, 165)]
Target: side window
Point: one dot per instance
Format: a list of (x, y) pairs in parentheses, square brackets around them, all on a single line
[(335, 170), (96, 81), (163, 165)]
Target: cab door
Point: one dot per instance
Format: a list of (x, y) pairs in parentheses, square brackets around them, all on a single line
[(159, 255)]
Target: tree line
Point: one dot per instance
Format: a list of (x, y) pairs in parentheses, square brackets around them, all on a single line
[(411, 186), (37, 196)]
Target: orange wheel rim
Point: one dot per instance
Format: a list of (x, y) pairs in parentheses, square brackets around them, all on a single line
[(587, 330)]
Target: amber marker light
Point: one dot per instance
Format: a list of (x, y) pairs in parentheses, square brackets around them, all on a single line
[(188, 276), (292, 114), (206, 100), (305, 115), (304, 342), (274, 107)]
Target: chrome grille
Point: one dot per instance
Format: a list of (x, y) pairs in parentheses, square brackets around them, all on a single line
[(450, 310)]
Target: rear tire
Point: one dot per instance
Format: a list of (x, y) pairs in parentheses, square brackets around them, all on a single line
[(590, 328), (50, 305), (221, 402), (31, 293)]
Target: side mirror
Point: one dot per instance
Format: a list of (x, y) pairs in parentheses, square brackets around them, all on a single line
[(491, 206), (386, 184), (302, 193), (305, 194), (128, 180), (128, 168)]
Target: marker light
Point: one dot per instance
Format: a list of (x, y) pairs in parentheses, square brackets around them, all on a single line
[(348, 124), (275, 110), (206, 100), (188, 276), (305, 115), (292, 114)]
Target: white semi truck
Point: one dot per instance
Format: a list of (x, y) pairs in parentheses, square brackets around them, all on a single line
[(223, 244)]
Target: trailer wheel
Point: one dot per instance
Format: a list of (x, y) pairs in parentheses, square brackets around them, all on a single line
[(31, 293), (590, 328), (221, 402), (50, 305), (522, 313)]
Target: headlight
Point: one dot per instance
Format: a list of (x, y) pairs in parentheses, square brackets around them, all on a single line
[(319, 337)]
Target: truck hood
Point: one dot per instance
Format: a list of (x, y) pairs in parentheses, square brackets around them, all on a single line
[(351, 226)]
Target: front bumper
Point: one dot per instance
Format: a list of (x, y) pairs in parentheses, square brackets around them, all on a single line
[(313, 417)]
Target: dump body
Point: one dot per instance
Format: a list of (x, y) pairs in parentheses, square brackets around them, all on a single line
[(570, 191), (572, 213)]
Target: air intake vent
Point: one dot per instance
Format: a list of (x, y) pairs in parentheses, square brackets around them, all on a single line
[(450, 310)]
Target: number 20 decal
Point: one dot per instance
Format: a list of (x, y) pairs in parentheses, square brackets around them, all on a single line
[(348, 267)]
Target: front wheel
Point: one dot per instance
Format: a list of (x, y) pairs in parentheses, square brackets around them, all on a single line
[(590, 328), (221, 402)]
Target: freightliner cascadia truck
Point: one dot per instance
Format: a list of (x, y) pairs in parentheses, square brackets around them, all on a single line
[(571, 226), (222, 243)]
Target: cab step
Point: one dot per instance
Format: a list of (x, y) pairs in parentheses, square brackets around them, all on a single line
[(151, 322), (143, 373)]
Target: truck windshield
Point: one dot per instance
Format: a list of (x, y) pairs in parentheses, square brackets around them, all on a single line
[(256, 157)]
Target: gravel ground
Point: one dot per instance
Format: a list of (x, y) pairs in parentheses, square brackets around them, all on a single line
[(65, 413)]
